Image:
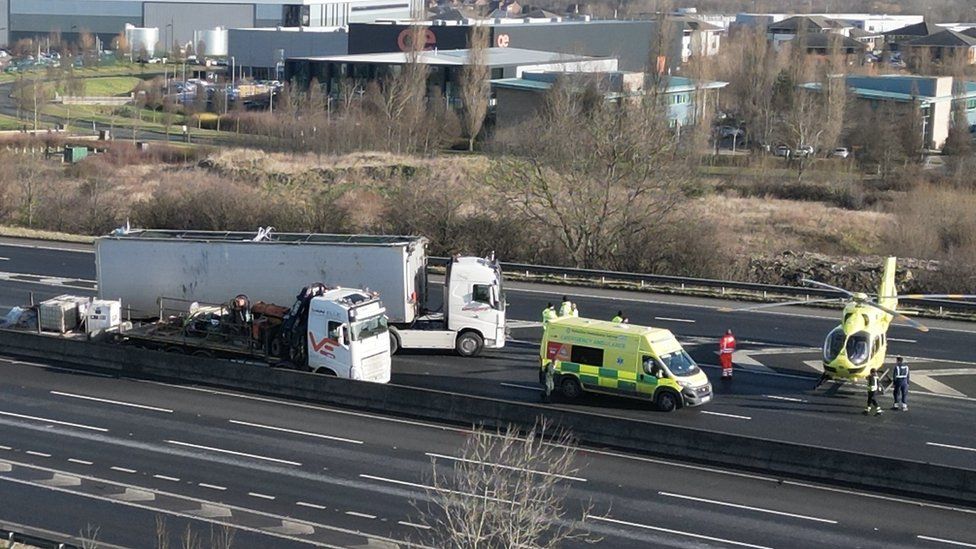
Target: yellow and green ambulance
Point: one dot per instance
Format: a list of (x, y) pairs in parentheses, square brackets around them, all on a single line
[(624, 360)]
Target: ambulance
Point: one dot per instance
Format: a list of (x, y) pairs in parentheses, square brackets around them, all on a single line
[(624, 360)]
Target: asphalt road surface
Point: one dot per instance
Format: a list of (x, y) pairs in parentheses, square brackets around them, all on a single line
[(80, 452), (772, 395)]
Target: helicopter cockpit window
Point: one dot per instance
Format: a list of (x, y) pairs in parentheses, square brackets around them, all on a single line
[(859, 347), (833, 344)]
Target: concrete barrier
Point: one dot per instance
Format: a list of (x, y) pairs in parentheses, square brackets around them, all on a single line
[(851, 469)]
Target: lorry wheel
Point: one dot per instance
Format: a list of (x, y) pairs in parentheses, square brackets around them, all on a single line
[(666, 401), (570, 387), (394, 344), (469, 344)]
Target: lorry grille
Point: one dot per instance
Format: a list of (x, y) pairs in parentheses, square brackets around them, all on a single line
[(375, 367)]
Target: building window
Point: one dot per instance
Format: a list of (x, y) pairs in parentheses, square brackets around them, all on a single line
[(970, 104)]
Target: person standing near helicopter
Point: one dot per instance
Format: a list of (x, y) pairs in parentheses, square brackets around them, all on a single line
[(874, 388)]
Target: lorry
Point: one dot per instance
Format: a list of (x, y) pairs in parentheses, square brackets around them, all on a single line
[(333, 331), (140, 266), (622, 359)]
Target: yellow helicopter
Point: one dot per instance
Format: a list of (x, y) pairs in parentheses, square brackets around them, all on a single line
[(858, 345)]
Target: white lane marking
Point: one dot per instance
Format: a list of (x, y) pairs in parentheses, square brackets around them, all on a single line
[(123, 470), (500, 466), (951, 446), (902, 340), (733, 416), (310, 505), (164, 477), (669, 319), (413, 525), (222, 451), (788, 399), (4, 259), (5, 448), (746, 507), (258, 495), (946, 541), (361, 515), (108, 401), (80, 461), (39, 454), (934, 386), (54, 421), (211, 486), (42, 247), (517, 386), (295, 432), (679, 533), (189, 515), (436, 489)]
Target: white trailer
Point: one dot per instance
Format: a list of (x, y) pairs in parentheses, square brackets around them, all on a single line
[(140, 266)]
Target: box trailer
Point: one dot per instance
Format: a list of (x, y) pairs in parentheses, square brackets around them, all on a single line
[(141, 266)]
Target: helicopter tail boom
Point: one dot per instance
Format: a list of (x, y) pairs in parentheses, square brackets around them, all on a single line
[(887, 293)]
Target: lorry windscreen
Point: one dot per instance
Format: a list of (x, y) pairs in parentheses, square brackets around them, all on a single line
[(680, 363), (368, 328)]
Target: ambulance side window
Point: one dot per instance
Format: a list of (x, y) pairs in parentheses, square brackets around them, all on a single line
[(651, 366), (586, 355)]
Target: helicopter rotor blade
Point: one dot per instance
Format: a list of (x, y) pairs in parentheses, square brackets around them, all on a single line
[(781, 304), (898, 316), (825, 285), (930, 296)]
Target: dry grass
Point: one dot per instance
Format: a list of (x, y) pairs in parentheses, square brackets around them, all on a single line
[(770, 226), (36, 234)]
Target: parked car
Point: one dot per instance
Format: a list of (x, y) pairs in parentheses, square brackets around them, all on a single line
[(840, 152), (803, 151), (731, 131), (782, 150)]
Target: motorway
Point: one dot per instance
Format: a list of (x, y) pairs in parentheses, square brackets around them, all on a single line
[(116, 454), (208, 438)]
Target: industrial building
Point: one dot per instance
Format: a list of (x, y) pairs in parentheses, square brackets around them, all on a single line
[(178, 20), (445, 66), (258, 50), (519, 99), (934, 97)]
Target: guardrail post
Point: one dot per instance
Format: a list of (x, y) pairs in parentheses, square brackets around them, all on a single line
[(603, 280), (764, 294), (642, 283)]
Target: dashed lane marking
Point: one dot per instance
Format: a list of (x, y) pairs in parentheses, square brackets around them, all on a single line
[(946, 541), (733, 416), (80, 461), (55, 422), (902, 340), (517, 386), (951, 446), (108, 401), (360, 515), (309, 505), (678, 532), (260, 495), (413, 525), (38, 454), (231, 452), (123, 470), (788, 399), (747, 507), (164, 477), (500, 466), (211, 486), (436, 489), (295, 432), (669, 319)]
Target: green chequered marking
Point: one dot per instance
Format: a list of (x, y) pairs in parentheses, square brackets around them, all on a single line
[(626, 386), (608, 372), (589, 380), (569, 367)]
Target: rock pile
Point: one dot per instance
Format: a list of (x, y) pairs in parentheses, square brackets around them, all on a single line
[(857, 274)]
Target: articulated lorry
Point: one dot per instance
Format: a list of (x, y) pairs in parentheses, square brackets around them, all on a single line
[(141, 266)]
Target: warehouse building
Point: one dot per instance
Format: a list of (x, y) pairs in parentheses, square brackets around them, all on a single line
[(177, 20)]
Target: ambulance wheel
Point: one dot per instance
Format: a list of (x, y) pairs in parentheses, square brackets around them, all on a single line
[(666, 401), (469, 344), (570, 387), (394, 344)]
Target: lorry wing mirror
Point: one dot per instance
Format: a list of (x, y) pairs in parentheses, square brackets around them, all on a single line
[(344, 336)]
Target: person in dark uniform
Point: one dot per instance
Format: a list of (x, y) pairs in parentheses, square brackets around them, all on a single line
[(873, 389), (900, 385)]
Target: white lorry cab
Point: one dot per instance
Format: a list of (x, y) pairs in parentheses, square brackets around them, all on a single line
[(348, 336)]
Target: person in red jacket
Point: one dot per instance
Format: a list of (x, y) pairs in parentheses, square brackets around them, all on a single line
[(726, 346)]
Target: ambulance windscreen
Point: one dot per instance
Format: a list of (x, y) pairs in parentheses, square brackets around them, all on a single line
[(680, 363)]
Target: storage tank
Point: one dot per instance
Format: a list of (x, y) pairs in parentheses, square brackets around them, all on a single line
[(142, 39), (214, 42)]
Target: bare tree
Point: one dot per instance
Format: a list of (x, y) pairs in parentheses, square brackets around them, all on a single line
[(506, 489), (30, 178), (89, 537), (475, 89), (400, 97), (592, 173), (162, 533), (222, 537)]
